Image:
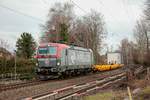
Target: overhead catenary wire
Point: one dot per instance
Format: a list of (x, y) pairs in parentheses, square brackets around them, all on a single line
[(78, 6), (126, 10), (112, 34), (110, 12), (21, 13), (45, 3)]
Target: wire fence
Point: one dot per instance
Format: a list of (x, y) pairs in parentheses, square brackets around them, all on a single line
[(21, 69), (9, 76), (12, 76)]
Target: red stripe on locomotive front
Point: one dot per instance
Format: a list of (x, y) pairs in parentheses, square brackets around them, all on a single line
[(59, 47)]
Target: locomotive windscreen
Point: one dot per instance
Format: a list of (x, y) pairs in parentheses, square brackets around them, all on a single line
[(42, 50), (48, 50), (46, 61), (52, 50)]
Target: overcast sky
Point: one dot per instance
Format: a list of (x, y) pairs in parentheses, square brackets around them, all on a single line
[(120, 17)]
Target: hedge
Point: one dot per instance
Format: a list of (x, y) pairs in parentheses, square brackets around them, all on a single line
[(22, 66)]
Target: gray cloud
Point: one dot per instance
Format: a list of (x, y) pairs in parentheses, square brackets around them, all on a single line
[(120, 17)]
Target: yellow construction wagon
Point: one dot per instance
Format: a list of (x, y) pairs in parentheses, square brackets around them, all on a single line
[(106, 67)]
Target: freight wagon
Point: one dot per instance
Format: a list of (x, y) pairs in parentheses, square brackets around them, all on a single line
[(114, 61), (55, 60)]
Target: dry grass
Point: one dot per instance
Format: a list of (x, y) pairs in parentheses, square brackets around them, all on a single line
[(138, 83), (107, 95), (144, 94), (100, 96), (118, 94), (122, 94)]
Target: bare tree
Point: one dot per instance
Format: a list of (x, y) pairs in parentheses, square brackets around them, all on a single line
[(90, 31), (4, 53), (127, 49), (4, 44), (142, 39), (80, 33), (87, 31), (142, 36), (147, 10), (60, 18), (147, 26)]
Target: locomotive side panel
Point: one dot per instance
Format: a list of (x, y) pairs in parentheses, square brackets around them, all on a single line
[(79, 56)]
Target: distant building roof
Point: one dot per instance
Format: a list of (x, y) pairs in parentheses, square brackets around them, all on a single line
[(5, 51)]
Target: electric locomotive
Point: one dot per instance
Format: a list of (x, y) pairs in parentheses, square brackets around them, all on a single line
[(55, 60)]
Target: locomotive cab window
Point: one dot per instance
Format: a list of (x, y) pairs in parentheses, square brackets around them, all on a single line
[(42, 50), (52, 50)]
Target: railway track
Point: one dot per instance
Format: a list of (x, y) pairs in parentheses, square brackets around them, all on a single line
[(37, 82), (75, 91), (78, 90), (19, 85), (43, 87)]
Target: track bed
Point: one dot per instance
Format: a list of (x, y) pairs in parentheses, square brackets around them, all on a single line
[(27, 91)]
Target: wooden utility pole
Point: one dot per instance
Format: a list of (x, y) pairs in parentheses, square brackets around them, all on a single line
[(148, 73), (129, 93)]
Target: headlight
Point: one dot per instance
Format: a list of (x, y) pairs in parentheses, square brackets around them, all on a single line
[(58, 63), (36, 64)]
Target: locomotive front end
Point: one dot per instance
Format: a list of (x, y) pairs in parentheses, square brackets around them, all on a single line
[(47, 61)]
